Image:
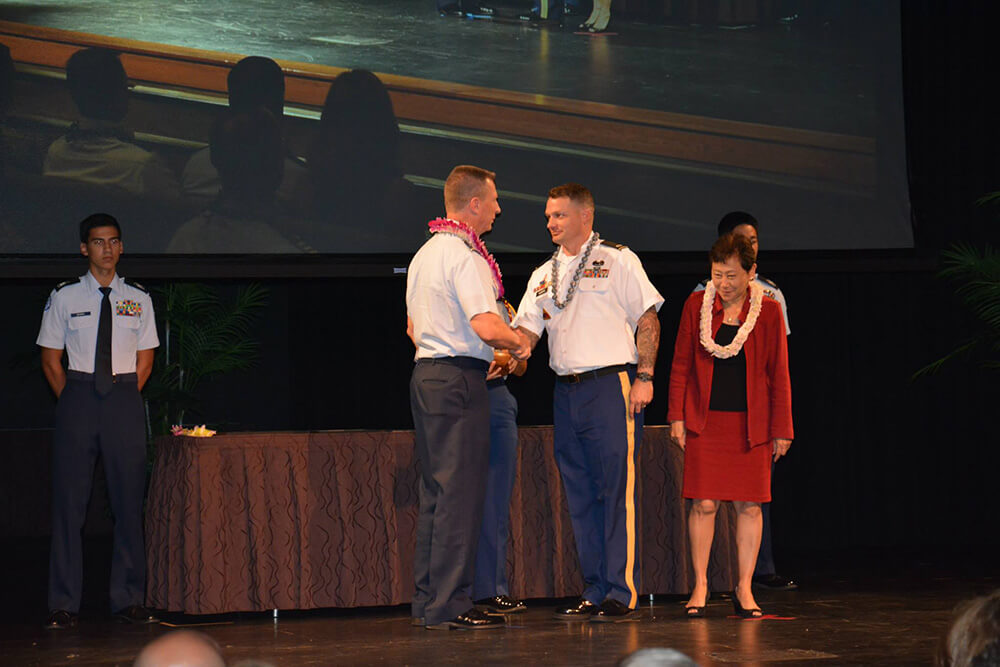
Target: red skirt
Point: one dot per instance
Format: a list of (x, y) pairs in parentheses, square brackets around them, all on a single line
[(720, 465)]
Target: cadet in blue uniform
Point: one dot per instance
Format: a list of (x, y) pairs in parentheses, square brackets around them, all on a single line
[(765, 575), (599, 309), (490, 587), (106, 325)]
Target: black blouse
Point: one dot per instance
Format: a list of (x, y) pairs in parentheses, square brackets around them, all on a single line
[(729, 376)]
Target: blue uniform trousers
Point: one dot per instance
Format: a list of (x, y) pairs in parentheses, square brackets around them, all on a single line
[(491, 555), (451, 421), (112, 426), (597, 451)]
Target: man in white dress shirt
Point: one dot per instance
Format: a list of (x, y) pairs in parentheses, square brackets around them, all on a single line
[(599, 309), (452, 287), (107, 327)]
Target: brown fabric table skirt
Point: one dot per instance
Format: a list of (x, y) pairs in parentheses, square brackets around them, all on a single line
[(256, 521)]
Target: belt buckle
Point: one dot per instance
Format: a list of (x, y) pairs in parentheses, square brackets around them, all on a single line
[(574, 378)]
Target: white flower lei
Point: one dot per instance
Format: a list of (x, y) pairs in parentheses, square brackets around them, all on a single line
[(705, 328)]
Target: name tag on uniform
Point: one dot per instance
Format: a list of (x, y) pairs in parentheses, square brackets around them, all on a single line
[(128, 308), (83, 314)]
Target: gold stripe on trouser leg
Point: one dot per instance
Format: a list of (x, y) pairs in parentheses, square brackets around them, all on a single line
[(630, 521)]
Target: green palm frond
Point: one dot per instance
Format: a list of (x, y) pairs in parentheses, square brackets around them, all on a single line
[(204, 336), (977, 273)]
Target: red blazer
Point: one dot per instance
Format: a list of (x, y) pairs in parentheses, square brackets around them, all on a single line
[(769, 390)]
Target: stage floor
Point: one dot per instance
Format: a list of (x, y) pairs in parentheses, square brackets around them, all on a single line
[(818, 78), (885, 609)]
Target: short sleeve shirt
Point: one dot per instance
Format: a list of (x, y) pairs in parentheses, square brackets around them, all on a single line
[(597, 327), (72, 314), (771, 290), (447, 284)]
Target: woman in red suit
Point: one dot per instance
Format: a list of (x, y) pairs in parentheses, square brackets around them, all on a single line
[(730, 410)]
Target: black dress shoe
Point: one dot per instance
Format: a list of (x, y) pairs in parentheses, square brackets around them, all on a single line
[(60, 619), (470, 620), (614, 611), (775, 582), (500, 604), (581, 611), (135, 614)]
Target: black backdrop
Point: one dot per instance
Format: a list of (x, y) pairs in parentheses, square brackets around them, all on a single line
[(878, 461)]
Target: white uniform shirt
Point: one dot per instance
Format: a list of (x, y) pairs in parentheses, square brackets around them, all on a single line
[(73, 312), (597, 328), (447, 284), (771, 290)]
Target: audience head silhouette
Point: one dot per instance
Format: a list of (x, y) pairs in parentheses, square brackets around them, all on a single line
[(98, 84), (6, 80), (357, 150), (247, 151), (255, 82), (974, 637), (182, 648)]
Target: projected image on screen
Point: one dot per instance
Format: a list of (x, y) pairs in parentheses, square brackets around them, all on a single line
[(335, 137)]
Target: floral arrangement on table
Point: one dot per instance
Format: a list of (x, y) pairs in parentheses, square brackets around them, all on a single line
[(195, 432)]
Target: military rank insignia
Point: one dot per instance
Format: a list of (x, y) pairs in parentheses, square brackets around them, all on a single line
[(542, 286), (129, 308), (545, 315), (595, 273)]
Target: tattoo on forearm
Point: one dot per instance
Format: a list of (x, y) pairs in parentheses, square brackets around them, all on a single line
[(648, 338)]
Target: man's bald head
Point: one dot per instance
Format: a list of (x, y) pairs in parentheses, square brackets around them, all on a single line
[(181, 648)]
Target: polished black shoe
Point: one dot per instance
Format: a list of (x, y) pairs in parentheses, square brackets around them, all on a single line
[(694, 612), (775, 582), (614, 611), (581, 611), (60, 619), (135, 614), (470, 620), (500, 604)]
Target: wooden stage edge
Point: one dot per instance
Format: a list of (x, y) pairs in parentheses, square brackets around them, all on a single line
[(844, 160)]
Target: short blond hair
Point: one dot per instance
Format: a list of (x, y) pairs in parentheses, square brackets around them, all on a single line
[(464, 183)]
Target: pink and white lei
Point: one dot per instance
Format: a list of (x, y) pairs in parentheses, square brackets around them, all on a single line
[(705, 327), (471, 238)]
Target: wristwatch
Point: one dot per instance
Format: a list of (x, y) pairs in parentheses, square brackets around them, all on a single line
[(646, 377)]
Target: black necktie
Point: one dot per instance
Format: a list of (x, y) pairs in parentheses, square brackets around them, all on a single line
[(102, 362)]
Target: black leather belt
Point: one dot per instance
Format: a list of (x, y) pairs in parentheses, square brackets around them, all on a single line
[(89, 377), (591, 375)]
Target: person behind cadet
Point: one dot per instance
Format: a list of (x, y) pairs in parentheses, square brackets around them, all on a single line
[(599, 309), (253, 82), (452, 287), (247, 150), (356, 174), (973, 638), (181, 648), (490, 588), (99, 149), (744, 224), (730, 409), (107, 327)]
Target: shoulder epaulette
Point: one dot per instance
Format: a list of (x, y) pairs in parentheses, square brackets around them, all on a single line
[(612, 244), (769, 282), (138, 286), (66, 282)]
